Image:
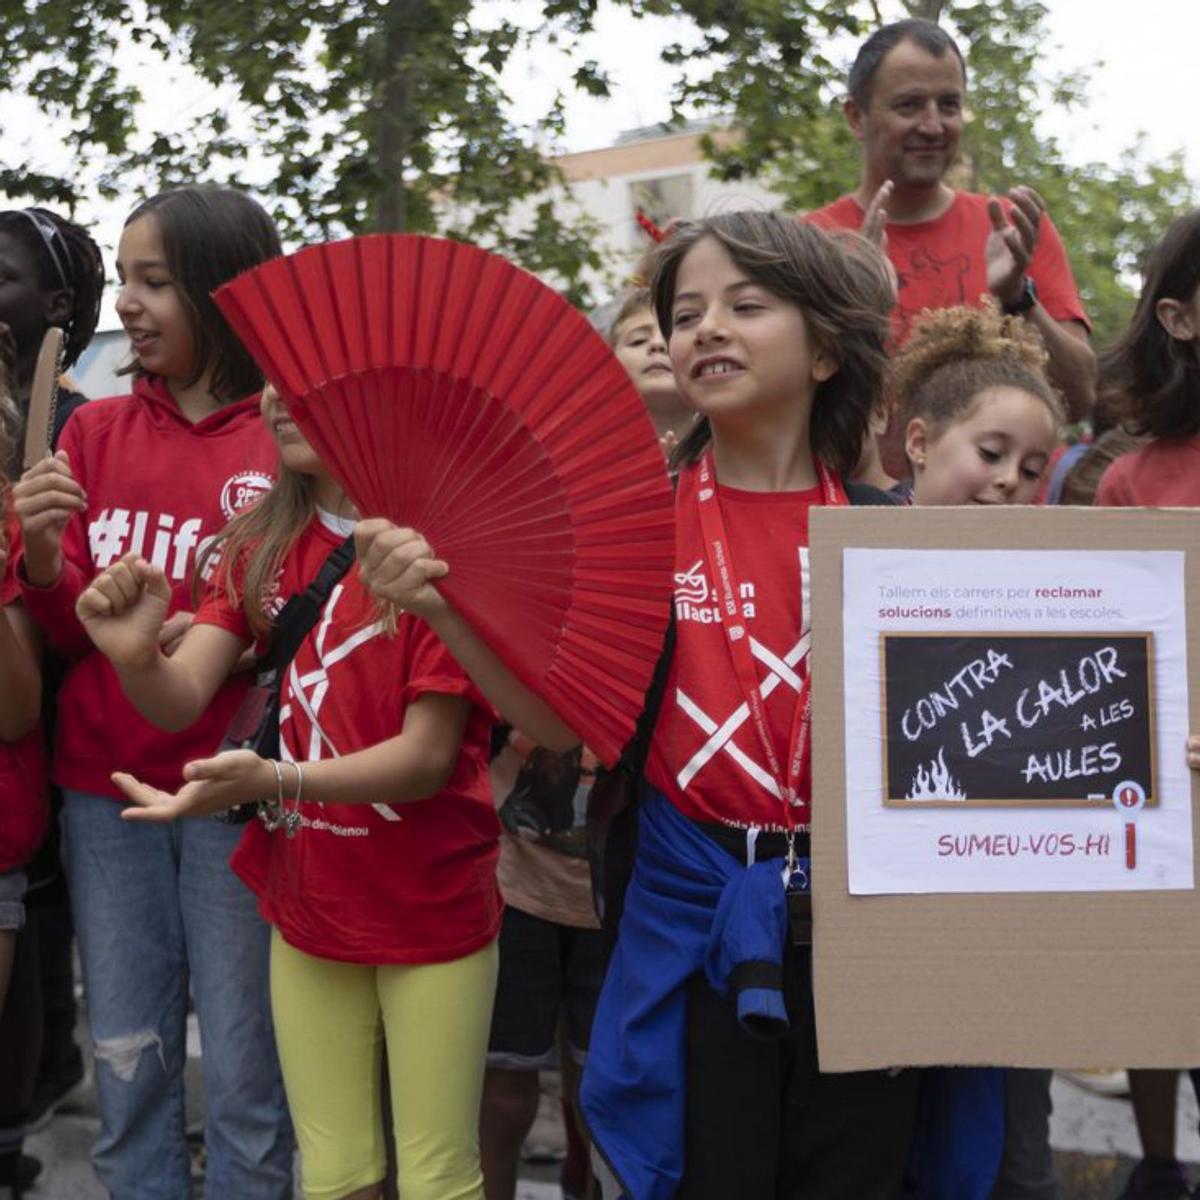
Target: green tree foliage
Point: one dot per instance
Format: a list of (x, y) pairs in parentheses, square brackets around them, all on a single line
[(370, 114), (1109, 213), (353, 115)]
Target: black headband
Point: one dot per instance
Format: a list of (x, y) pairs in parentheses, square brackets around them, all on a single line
[(54, 242)]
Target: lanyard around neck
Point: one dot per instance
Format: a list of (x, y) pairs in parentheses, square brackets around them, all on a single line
[(724, 576)]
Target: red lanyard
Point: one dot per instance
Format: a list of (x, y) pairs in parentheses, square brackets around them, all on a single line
[(724, 576)]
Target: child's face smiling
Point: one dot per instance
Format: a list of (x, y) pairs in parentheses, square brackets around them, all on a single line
[(149, 304), (639, 345), (738, 349), (996, 453)]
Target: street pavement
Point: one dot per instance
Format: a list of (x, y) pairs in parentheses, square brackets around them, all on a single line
[(1094, 1139)]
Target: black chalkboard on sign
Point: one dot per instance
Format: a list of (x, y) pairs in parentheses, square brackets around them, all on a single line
[(1016, 720)]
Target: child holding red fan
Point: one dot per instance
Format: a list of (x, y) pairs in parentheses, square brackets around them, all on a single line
[(376, 864), (776, 333), (158, 913)]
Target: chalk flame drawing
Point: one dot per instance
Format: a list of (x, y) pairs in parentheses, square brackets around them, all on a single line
[(936, 783)]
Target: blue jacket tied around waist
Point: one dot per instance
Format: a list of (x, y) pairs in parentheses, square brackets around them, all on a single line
[(691, 906)]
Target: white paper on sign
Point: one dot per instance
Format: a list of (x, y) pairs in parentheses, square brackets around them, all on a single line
[(1036, 708)]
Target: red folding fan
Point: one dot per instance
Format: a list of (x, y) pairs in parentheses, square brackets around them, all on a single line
[(456, 394)]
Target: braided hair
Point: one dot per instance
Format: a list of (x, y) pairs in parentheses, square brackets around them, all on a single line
[(67, 260)]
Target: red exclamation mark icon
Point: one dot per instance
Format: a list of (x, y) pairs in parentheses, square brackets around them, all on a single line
[(1129, 798)]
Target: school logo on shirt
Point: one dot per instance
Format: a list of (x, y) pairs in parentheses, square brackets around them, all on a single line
[(692, 584), (242, 489), (695, 599)]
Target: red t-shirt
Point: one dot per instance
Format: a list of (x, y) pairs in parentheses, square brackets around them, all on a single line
[(23, 783), (941, 263), (1163, 474), (160, 485), (384, 883), (705, 755)]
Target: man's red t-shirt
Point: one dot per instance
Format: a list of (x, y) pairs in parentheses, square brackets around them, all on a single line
[(705, 755), (941, 263), (1162, 474), (23, 778), (383, 883)]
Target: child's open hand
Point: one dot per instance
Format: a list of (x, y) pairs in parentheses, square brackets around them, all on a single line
[(44, 499), (211, 786), (398, 565), (124, 608), (1012, 242)]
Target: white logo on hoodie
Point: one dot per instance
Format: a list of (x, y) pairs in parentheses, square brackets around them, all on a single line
[(242, 489)]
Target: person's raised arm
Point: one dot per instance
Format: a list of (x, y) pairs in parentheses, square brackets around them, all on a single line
[(123, 611), (1010, 250), (414, 765), (54, 564), (399, 567)]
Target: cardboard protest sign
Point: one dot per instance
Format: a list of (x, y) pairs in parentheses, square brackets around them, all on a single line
[(1003, 834)]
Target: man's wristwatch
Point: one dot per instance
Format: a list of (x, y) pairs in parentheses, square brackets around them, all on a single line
[(1024, 302)]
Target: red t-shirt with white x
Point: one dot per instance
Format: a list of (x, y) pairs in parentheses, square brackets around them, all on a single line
[(382, 883), (705, 755)]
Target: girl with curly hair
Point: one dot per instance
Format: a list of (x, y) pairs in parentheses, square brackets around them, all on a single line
[(982, 423), (981, 417)]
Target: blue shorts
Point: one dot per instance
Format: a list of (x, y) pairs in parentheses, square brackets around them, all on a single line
[(12, 897)]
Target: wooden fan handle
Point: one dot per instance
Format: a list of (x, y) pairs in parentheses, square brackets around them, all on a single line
[(43, 397)]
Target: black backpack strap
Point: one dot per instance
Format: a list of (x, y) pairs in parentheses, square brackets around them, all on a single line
[(302, 611), (635, 754)]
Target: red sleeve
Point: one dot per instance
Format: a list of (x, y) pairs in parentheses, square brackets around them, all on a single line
[(53, 608), (12, 544), (221, 608), (432, 668), (1114, 490), (1051, 272)]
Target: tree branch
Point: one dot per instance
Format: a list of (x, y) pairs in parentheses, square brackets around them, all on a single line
[(393, 92)]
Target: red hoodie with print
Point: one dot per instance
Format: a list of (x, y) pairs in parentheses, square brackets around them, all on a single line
[(160, 485)]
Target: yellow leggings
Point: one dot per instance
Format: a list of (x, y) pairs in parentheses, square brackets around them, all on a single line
[(328, 1025)]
